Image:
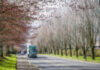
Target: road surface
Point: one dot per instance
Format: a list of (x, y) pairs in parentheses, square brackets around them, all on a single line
[(45, 62)]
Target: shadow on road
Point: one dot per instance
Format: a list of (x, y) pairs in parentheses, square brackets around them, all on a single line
[(43, 58), (38, 58), (55, 63)]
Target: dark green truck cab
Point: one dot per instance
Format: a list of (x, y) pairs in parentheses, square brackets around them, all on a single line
[(32, 51)]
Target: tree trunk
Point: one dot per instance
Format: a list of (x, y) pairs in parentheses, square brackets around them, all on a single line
[(70, 48), (93, 53), (57, 51), (1, 50), (77, 52), (4, 50), (61, 52), (43, 50), (48, 51), (51, 51), (54, 51), (40, 51), (8, 50), (84, 53), (65, 50)]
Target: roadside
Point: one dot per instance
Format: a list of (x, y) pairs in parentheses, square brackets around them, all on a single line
[(80, 58), (23, 64), (8, 63)]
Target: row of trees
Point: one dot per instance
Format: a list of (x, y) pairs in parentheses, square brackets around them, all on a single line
[(14, 24), (75, 25)]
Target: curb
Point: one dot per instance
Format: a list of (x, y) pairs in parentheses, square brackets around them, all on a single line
[(75, 60)]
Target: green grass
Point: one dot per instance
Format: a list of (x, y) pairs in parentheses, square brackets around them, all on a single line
[(89, 59), (8, 63)]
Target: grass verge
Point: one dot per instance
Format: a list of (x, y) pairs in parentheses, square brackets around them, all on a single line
[(8, 63), (89, 59)]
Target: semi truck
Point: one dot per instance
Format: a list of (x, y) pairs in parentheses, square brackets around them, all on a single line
[(32, 51)]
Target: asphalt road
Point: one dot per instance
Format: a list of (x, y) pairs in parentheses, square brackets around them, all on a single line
[(45, 62)]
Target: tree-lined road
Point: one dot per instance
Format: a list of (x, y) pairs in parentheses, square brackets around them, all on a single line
[(45, 62)]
